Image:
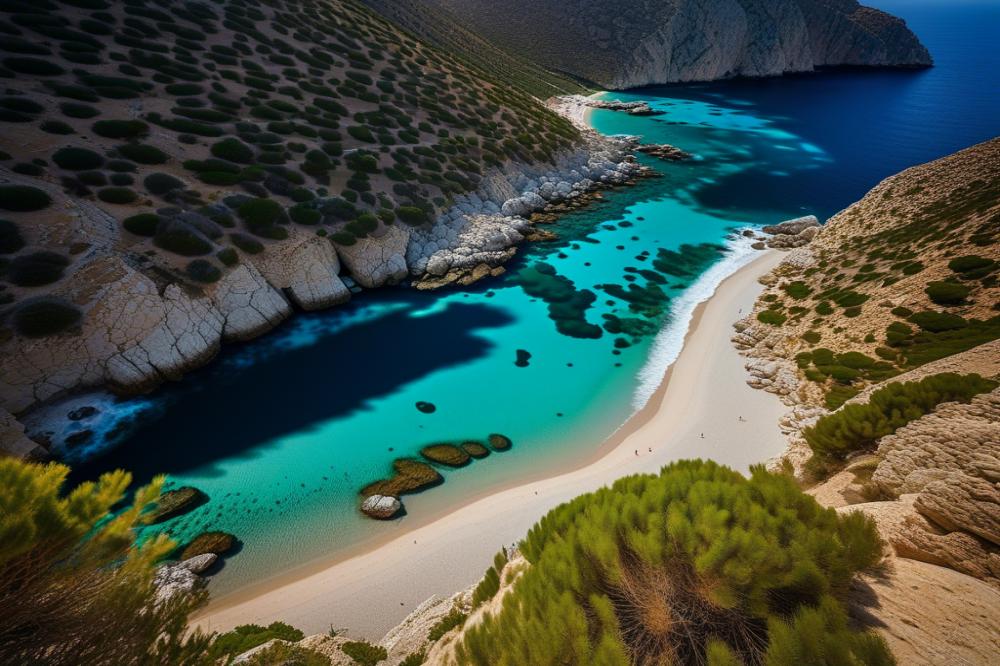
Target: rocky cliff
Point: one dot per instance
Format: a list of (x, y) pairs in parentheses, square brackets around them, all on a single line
[(900, 287), (631, 43)]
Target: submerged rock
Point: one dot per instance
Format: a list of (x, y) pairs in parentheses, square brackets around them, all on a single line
[(175, 502), (499, 442), (475, 449), (445, 454), (426, 407), (381, 507), (218, 543), (410, 476), (523, 356)]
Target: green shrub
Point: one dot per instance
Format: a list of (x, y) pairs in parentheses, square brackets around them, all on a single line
[(858, 427), (260, 216), (203, 270), (246, 243), (248, 636), (117, 195), (233, 150), (772, 317), (10, 237), (143, 153), (33, 66), (364, 653), (490, 584), (23, 198), (56, 127), (143, 224), (305, 215), (414, 659), (120, 129), (361, 133), (161, 183), (937, 321), (287, 655), (947, 293), (812, 337), (46, 316), (658, 568), (824, 308), (797, 290), (228, 256), (971, 265), (412, 215), (455, 618), (36, 269), (181, 240), (77, 159)]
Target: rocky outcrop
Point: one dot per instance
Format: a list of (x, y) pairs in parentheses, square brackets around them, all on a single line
[(792, 233), (182, 577), (308, 270), (631, 43), (13, 441), (381, 507), (377, 261)]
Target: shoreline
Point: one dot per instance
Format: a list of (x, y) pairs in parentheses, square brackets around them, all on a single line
[(462, 539)]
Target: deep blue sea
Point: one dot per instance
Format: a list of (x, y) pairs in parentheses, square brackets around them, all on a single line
[(281, 432)]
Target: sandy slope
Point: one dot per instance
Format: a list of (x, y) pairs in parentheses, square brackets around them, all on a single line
[(705, 392)]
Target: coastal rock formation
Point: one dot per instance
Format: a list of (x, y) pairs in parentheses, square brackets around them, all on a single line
[(308, 270), (631, 43), (377, 261), (792, 233), (217, 543), (182, 577), (176, 502)]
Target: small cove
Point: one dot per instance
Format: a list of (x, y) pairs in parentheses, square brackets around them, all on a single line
[(282, 431)]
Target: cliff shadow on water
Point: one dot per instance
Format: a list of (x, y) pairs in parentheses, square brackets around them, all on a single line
[(292, 388)]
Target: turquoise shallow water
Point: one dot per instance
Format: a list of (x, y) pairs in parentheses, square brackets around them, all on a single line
[(282, 432)]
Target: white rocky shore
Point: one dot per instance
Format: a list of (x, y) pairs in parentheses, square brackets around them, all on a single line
[(141, 327)]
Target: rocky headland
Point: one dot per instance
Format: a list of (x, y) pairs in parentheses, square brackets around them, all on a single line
[(632, 43), (898, 288)]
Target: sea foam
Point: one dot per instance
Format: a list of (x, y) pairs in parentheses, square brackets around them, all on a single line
[(667, 345)]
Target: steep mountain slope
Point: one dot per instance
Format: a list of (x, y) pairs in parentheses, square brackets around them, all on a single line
[(178, 173), (630, 43), (437, 26)]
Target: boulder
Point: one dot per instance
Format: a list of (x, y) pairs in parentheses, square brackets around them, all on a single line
[(199, 563), (218, 543), (374, 262), (381, 507)]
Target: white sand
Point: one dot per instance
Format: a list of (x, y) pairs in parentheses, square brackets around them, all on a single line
[(704, 392)]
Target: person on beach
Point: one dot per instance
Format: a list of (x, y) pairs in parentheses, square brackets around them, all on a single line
[(703, 435)]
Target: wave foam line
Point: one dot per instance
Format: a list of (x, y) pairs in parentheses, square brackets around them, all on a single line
[(667, 345)]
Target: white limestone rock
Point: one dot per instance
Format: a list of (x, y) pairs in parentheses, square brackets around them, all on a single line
[(381, 507), (377, 261), (308, 269)]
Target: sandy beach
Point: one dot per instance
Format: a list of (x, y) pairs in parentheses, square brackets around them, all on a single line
[(696, 412)]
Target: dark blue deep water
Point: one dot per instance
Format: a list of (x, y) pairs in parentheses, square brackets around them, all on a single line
[(869, 124)]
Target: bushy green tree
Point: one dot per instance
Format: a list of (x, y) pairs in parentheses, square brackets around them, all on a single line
[(75, 587), (695, 565)]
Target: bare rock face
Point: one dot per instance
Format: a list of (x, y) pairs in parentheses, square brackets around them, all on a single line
[(13, 441), (308, 270), (792, 233), (962, 502), (374, 262), (631, 43)]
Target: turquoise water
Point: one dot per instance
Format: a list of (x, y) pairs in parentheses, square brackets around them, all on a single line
[(283, 431)]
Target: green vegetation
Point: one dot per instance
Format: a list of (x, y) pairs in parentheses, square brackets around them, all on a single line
[(248, 636), (797, 289), (120, 129), (11, 239), (972, 267), (490, 583), (414, 659), (772, 317), (287, 655), (261, 217), (117, 195), (143, 153), (364, 653), (858, 427), (947, 293), (23, 198), (181, 239), (143, 224), (43, 317), (161, 183), (89, 598), (455, 618), (36, 269), (203, 270), (673, 567)]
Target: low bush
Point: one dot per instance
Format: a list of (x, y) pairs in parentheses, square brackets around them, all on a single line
[(33, 66), (455, 618), (248, 636), (233, 150), (143, 153), (56, 127), (143, 224), (672, 568), (203, 270), (77, 159), (36, 269), (10, 237), (161, 183), (117, 195), (23, 198), (120, 129), (246, 243), (412, 215), (971, 266), (772, 317), (44, 317), (947, 293), (797, 290), (261, 215), (75, 110), (364, 653), (179, 239), (490, 583), (858, 427)]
